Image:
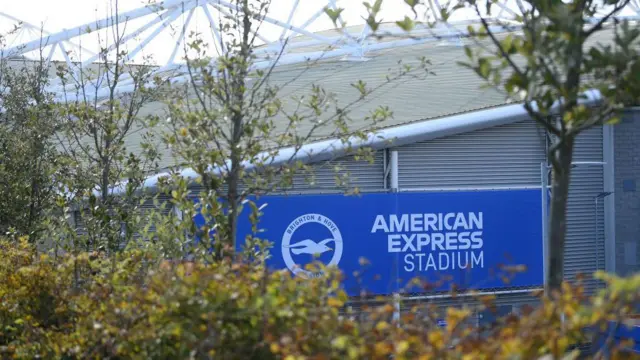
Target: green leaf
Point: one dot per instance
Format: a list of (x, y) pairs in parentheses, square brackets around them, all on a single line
[(377, 6), (412, 3), (467, 50), (484, 67), (507, 43), (407, 24), (333, 14), (372, 23)]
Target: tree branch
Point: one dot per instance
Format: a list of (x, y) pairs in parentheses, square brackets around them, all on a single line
[(606, 18)]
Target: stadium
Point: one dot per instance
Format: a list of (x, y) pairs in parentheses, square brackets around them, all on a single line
[(464, 179)]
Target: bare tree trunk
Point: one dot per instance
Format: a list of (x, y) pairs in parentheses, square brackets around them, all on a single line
[(105, 180), (558, 215), (232, 195), (33, 198), (238, 89), (104, 194), (562, 158)]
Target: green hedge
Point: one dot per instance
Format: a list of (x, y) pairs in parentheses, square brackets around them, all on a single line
[(137, 307)]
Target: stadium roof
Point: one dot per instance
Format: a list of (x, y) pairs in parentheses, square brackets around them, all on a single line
[(449, 101), (451, 90)]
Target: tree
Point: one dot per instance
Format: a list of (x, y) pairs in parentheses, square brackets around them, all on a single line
[(230, 122), (548, 67), (97, 119), (29, 166)]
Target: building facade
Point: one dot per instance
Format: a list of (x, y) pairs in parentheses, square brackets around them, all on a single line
[(511, 154)]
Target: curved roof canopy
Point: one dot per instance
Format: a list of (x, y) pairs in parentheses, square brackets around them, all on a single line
[(288, 30), (451, 99)]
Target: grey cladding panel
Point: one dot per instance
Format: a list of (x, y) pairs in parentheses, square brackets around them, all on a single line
[(502, 156), (161, 205), (322, 178), (584, 252), (78, 222), (367, 176)]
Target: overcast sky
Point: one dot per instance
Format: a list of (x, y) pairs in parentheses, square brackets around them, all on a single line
[(56, 15)]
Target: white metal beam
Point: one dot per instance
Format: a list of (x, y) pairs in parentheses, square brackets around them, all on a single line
[(214, 28), (289, 19), (77, 31), (165, 17), (181, 37), (273, 21), (344, 44), (296, 58), (36, 29), (155, 33), (226, 13)]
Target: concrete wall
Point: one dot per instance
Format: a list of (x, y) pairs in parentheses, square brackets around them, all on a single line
[(627, 192)]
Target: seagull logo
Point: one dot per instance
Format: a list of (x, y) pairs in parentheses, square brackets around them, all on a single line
[(290, 245), (309, 246)]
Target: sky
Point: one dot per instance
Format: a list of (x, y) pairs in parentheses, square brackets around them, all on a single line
[(57, 15)]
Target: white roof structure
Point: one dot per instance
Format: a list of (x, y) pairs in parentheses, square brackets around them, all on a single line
[(288, 31), (284, 29)]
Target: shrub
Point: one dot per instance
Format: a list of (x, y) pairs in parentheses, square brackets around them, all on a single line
[(90, 307)]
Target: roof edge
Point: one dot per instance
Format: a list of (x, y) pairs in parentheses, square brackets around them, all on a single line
[(385, 138)]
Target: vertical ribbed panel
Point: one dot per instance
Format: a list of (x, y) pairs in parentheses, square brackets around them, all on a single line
[(366, 176), (501, 156), (584, 251), (627, 192), (78, 223), (161, 205)]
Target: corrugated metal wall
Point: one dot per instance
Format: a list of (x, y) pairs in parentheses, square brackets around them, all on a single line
[(584, 252), (503, 156), (161, 205), (366, 176), (78, 222)]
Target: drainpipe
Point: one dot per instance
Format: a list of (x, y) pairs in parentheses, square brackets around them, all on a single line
[(394, 189), (394, 170)]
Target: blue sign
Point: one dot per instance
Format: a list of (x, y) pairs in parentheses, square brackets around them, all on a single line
[(460, 237)]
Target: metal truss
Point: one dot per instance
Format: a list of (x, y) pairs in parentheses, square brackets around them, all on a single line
[(288, 39), (25, 29)]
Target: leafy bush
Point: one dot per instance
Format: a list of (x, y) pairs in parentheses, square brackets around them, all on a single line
[(90, 307)]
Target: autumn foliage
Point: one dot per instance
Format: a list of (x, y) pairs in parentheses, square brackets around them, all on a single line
[(90, 307)]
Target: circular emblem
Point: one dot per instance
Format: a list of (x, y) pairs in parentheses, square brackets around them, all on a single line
[(311, 247)]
